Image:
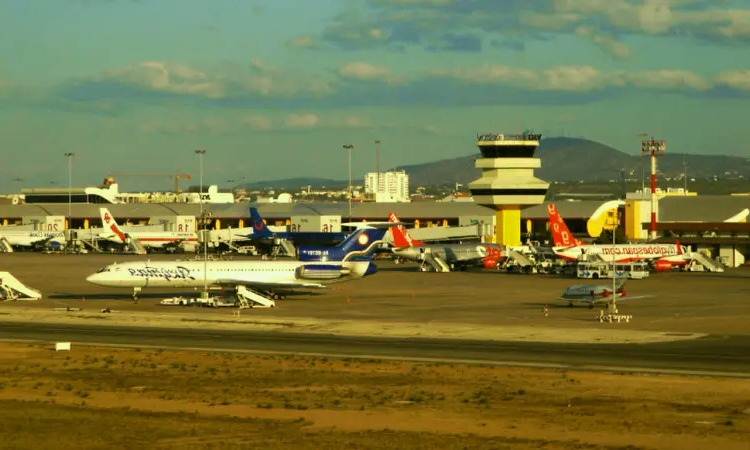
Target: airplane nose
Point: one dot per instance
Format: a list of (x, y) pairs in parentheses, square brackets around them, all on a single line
[(93, 278)]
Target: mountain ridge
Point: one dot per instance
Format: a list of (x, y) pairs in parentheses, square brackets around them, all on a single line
[(564, 159)]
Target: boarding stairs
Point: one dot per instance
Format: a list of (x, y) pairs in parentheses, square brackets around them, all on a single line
[(12, 289), (436, 263), (282, 247), (5, 246), (520, 259), (134, 246), (248, 298), (704, 261)]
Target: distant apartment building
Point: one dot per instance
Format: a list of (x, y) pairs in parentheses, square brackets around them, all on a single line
[(392, 186)]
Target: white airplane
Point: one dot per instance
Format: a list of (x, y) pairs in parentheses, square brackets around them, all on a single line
[(149, 239), (350, 260), (664, 256), (29, 238), (591, 294)]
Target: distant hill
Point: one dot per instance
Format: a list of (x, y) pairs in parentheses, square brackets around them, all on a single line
[(295, 183), (574, 159), (563, 159)]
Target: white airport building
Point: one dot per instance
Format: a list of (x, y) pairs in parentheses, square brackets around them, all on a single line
[(388, 187)]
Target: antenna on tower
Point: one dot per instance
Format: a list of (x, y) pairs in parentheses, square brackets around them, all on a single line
[(684, 172)]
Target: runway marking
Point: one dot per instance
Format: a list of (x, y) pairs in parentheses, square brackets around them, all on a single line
[(523, 364)]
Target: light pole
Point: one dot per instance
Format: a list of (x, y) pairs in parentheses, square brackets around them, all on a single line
[(377, 168), (70, 155), (201, 152), (643, 168), (350, 147)]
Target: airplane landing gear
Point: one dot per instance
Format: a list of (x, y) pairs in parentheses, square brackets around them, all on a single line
[(135, 294), (570, 305)]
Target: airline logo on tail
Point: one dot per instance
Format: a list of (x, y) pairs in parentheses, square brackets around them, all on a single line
[(401, 237), (359, 246), (561, 235), (260, 230), (109, 223)]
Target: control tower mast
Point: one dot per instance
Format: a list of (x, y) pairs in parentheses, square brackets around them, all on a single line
[(508, 184)]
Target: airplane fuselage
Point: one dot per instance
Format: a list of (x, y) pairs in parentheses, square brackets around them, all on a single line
[(624, 252), (158, 239), (18, 238), (450, 253), (190, 274)]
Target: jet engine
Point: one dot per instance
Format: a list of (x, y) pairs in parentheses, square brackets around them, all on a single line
[(489, 263), (321, 272), (662, 266)]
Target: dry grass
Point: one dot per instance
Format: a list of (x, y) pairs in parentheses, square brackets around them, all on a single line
[(96, 398)]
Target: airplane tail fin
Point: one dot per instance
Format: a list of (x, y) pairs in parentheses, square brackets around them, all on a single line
[(401, 237), (358, 246), (260, 230), (109, 223), (620, 281), (561, 235)]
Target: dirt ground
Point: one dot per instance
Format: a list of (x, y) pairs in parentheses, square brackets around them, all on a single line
[(93, 398), (678, 302)]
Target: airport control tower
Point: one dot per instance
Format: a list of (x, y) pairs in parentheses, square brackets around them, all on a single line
[(508, 184)]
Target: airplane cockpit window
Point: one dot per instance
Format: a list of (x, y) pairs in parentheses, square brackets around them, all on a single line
[(102, 270)]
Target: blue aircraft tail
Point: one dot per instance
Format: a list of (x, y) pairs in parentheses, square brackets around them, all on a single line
[(260, 230), (359, 246)]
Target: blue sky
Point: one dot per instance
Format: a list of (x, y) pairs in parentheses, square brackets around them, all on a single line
[(273, 89)]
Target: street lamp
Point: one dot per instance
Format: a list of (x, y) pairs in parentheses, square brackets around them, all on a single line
[(70, 155), (377, 168), (350, 147), (201, 152)]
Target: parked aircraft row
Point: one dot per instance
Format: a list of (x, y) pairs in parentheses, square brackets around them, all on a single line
[(351, 259)]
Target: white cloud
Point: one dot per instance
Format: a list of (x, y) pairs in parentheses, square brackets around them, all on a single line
[(306, 120), (735, 79), (587, 79), (166, 77), (608, 44), (564, 78), (302, 42), (181, 126), (670, 79), (258, 123), (363, 71)]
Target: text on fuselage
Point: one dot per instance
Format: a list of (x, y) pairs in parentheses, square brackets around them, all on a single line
[(179, 273)]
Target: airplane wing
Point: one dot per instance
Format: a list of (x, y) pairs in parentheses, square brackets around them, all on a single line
[(231, 282), (619, 299)]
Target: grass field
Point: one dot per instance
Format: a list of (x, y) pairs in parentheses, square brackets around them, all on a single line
[(94, 398)]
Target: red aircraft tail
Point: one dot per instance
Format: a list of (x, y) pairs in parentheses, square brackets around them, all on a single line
[(561, 235), (401, 238)]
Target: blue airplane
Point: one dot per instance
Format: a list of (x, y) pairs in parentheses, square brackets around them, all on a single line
[(261, 232), (359, 246)]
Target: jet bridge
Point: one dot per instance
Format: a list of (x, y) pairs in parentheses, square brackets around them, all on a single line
[(12, 289)]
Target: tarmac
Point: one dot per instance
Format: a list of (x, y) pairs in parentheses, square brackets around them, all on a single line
[(400, 304)]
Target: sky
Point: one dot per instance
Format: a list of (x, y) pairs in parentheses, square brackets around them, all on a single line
[(274, 89)]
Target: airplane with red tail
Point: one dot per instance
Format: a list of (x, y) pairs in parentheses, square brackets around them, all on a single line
[(664, 257), (457, 256)]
